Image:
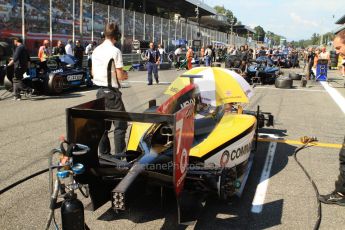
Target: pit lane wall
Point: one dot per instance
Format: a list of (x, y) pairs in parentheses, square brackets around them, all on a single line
[(65, 25)]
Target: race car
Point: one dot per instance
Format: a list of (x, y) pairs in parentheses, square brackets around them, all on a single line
[(262, 71), (183, 144), (57, 75)]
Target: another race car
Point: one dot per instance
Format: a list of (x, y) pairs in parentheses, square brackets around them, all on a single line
[(184, 144), (57, 75), (262, 71)]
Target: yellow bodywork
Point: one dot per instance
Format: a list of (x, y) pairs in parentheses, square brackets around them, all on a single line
[(230, 126)]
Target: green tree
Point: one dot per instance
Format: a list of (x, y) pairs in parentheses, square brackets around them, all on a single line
[(315, 39), (259, 33), (227, 13)]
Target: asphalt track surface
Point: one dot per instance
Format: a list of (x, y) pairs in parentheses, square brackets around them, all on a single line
[(29, 129)]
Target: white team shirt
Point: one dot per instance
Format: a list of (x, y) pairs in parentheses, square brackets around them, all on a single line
[(100, 59), (68, 49), (178, 51)]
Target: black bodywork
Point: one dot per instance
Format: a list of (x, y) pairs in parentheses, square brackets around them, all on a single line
[(262, 71), (53, 77)]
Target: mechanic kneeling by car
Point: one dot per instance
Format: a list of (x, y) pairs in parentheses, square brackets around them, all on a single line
[(107, 70)]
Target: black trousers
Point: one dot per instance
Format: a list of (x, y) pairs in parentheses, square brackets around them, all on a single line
[(340, 183), (18, 84), (79, 62), (113, 101)]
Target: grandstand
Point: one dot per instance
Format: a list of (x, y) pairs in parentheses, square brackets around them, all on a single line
[(155, 20)]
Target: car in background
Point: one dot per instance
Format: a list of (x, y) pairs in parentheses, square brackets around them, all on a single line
[(54, 77)]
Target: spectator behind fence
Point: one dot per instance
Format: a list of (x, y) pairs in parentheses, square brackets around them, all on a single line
[(78, 53)]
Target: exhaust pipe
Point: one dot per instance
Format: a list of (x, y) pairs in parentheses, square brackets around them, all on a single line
[(118, 197)]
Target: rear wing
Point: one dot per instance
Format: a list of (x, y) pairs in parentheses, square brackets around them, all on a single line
[(85, 124)]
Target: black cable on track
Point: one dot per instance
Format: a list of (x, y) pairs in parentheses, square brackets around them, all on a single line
[(23, 180), (319, 211)]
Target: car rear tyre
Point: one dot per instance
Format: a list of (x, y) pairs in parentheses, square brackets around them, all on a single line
[(283, 83), (55, 84)]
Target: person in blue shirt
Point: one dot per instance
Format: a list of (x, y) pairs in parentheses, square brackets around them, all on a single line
[(153, 58)]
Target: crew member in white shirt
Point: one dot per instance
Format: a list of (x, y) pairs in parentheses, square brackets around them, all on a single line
[(107, 71), (68, 47)]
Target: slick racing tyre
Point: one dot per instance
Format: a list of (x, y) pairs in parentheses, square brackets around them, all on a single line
[(295, 76), (283, 83), (55, 84)]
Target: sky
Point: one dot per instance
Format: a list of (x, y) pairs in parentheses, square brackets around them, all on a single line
[(293, 19)]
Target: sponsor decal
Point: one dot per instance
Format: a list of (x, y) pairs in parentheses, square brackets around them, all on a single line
[(57, 71), (173, 89), (184, 104), (235, 154), (76, 77), (52, 64)]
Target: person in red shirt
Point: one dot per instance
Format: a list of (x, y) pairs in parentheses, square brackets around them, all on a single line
[(189, 57)]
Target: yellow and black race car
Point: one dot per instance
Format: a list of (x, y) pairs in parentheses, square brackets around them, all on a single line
[(183, 144)]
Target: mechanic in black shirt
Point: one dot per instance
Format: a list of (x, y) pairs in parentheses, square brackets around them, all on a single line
[(78, 53), (59, 49), (20, 61), (310, 60)]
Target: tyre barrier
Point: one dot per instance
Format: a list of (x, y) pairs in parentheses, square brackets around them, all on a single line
[(283, 82), (295, 76), (164, 66)]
